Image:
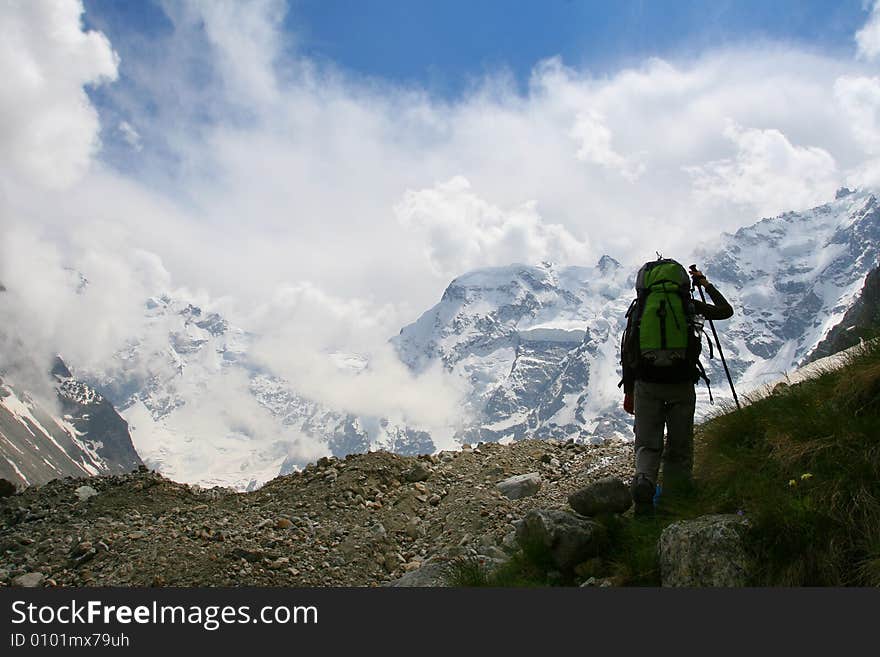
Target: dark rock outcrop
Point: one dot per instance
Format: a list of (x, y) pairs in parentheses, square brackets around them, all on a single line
[(608, 495), (705, 552), (569, 538)]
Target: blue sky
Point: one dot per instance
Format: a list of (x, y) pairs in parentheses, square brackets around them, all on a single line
[(442, 46)]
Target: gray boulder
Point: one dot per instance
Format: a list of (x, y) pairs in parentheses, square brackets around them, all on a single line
[(705, 552), (569, 537), (608, 495), (431, 574), (520, 486)]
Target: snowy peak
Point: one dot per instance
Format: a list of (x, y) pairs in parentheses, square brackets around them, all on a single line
[(793, 277)]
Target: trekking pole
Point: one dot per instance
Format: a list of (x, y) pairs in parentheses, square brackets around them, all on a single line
[(718, 344)]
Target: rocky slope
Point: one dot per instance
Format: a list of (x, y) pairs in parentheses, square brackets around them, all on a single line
[(78, 433), (360, 521)]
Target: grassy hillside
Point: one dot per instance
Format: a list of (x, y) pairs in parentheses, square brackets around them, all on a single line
[(801, 462)]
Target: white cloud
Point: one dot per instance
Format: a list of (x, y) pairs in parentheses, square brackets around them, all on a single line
[(594, 139), (81, 303), (461, 231), (302, 331), (868, 38), (859, 98), (245, 40), (768, 173), (48, 128)]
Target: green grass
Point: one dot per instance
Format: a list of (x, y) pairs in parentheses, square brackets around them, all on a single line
[(802, 463)]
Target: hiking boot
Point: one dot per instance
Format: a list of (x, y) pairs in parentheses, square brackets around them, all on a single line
[(643, 496)]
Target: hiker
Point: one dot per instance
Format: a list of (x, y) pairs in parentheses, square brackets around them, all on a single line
[(660, 357)]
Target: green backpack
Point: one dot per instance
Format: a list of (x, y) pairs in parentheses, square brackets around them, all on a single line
[(663, 332)]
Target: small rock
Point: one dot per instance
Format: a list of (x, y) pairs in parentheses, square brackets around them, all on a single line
[(509, 542), (413, 528), (29, 580), (80, 549), (418, 472), (85, 492), (432, 574), (391, 561), (519, 486)]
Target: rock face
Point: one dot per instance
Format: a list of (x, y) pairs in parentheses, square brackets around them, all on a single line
[(77, 434), (519, 486), (857, 323), (705, 552), (608, 495), (568, 537)]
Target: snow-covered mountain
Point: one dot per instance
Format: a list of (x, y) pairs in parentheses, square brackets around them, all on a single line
[(201, 410), (77, 434), (536, 347), (539, 344)]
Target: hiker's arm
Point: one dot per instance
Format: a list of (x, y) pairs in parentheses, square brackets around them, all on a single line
[(721, 308)]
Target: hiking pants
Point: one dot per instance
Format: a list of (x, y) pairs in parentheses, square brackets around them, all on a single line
[(671, 405)]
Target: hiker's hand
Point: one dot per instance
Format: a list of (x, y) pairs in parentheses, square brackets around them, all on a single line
[(628, 404), (698, 278)]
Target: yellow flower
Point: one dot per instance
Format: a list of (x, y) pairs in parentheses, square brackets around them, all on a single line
[(806, 475), (792, 482)]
